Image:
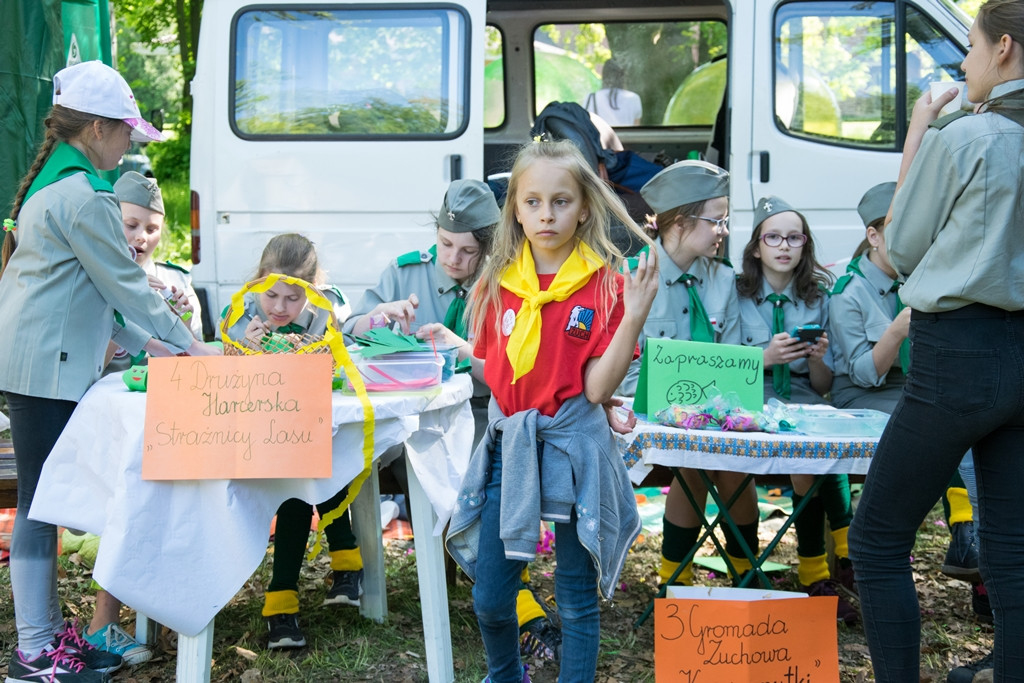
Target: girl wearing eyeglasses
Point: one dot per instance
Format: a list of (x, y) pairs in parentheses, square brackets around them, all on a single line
[(696, 301), (783, 297)]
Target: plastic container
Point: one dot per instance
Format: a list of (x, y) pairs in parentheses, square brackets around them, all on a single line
[(400, 371), (450, 355), (827, 421)]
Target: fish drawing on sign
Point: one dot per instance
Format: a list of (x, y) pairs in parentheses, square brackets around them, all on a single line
[(686, 392)]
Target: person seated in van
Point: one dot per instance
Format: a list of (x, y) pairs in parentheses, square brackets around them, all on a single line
[(783, 288), (284, 310), (425, 291), (613, 103), (696, 301)]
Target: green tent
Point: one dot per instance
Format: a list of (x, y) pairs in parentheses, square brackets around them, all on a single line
[(38, 39)]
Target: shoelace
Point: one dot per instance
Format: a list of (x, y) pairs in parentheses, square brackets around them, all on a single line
[(62, 657), (70, 633), (117, 638)]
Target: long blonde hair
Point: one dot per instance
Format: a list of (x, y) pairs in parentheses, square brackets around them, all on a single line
[(509, 238)]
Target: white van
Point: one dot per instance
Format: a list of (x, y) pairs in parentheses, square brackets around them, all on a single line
[(346, 121)]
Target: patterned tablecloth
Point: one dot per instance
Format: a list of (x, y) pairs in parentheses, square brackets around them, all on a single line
[(751, 452)]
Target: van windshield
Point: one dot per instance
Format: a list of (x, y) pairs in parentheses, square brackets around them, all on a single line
[(350, 73)]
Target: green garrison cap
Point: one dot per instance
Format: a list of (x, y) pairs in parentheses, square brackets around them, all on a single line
[(685, 182), (468, 205), (135, 188), (875, 202), (769, 206)]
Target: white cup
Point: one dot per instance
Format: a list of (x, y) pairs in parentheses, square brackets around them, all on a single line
[(939, 87)]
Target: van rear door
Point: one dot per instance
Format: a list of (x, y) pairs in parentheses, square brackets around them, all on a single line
[(342, 121), (833, 84)]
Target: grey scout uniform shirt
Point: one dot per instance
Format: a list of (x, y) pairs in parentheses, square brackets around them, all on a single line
[(756, 322), (860, 310), (670, 313), (71, 270), (414, 273), (957, 232)]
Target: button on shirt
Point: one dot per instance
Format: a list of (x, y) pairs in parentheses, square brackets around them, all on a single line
[(858, 316), (670, 313), (756, 321), (957, 231)]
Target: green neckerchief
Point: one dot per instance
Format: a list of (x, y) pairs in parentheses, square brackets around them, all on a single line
[(854, 266), (1010, 105), (291, 328), (780, 371), (455, 316), (700, 324), (63, 162), (905, 346)]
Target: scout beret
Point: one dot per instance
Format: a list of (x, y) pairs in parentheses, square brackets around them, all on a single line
[(685, 182), (875, 202), (769, 206), (135, 188), (468, 205)]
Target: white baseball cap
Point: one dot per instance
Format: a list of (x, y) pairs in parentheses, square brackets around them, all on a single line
[(95, 88)]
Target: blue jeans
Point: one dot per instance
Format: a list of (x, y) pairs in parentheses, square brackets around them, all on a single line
[(497, 584), (966, 388)]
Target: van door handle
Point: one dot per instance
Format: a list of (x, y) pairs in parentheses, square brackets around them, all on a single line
[(765, 167), (455, 166)]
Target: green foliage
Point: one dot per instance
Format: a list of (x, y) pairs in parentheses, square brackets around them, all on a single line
[(175, 240), (170, 159)]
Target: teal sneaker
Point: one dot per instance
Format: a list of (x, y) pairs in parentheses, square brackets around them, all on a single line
[(112, 638)]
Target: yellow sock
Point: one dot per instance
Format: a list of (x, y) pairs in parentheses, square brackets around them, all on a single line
[(346, 560), (280, 602), (812, 569), (842, 548), (527, 607), (740, 564), (525, 575), (959, 506), (668, 567)]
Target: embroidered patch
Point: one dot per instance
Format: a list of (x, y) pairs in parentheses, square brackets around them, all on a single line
[(581, 320), (508, 322)]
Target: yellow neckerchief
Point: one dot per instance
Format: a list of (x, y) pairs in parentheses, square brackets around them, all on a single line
[(521, 279)]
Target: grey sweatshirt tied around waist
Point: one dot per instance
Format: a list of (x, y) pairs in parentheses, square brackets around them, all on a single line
[(581, 468)]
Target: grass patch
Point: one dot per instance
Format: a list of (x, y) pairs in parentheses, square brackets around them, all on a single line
[(345, 647), (176, 239)]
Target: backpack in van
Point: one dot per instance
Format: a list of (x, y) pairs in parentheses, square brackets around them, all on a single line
[(570, 121)]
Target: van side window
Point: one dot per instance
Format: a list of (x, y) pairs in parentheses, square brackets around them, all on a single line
[(494, 79), (630, 74), (839, 74), (336, 72)]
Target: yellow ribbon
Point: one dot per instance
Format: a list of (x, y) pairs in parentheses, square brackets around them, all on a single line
[(333, 340), (521, 279)]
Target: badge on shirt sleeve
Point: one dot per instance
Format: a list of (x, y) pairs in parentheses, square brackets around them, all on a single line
[(508, 322)]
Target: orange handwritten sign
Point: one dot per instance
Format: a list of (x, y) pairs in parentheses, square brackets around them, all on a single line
[(238, 417), (784, 640)]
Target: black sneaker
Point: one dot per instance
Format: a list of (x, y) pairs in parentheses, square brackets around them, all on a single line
[(541, 639), (285, 632), (844, 575), (969, 672), (980, 603), (346, 589), (95, 659), (962, 556), (53, 665), (845, 612)]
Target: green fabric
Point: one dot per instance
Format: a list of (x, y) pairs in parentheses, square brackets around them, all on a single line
[(700, 324), (841, 283), (835, 495), (291, 328), (411, 258), (1010, 105), (905, 346), (780, 371), (810, 527), (677, 541), (66, 161), (455, 318)]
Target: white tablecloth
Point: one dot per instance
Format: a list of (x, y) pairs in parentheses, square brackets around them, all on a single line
[(751, 452), (179, 551)]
